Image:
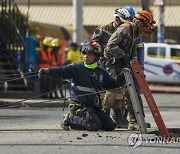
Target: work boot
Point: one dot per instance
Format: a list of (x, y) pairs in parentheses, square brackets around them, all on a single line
[(132, 120), (65, 123), (117, 117), (133, 126)]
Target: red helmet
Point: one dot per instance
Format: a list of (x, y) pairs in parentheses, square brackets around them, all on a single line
[(91, 47)]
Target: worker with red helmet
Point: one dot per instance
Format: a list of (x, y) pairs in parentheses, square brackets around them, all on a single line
[(88, 79)]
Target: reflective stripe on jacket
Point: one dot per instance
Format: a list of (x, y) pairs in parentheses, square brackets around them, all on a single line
[(83, 82)]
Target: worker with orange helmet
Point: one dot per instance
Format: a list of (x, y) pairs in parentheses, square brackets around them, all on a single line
[(122, 47), (147, 20)]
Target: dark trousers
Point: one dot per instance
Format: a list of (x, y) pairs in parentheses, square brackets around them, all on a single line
[(92, 121)]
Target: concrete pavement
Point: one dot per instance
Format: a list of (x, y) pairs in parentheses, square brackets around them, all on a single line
[(37, 130)]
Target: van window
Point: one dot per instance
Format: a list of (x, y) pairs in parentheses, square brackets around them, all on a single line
[(156, 52), (175, 53)]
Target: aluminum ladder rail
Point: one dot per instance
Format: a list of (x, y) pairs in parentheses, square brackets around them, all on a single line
[(135, 100)]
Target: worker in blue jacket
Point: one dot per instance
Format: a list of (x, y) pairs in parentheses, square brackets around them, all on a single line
[(88, 79)]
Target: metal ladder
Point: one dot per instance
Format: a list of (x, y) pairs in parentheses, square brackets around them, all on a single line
[(139, 74), (135, 100)]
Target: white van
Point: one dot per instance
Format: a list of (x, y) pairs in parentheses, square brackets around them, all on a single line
[(162, 63)]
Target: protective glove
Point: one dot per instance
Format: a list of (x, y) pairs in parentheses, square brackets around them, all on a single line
[(43, 71)]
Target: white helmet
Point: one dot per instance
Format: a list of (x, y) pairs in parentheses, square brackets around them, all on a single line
[(122, 14)]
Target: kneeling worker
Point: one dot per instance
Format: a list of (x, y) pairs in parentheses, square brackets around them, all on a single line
[(88, 79)]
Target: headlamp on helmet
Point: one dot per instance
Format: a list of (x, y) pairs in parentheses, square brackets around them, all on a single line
[(146, 17)]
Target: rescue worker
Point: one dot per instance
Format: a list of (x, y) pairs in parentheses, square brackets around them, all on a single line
[(74, 55), (110, 100), (44, 61), (123, 46), (140, 44), (88, 79), (140, 57), (102, 35), (56, 60)]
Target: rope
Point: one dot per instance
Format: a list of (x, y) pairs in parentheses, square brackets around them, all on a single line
[(18, 78), (17, 74), (66, 98), (23, 100)]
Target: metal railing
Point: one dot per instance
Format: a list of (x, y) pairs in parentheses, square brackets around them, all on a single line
[(14, 28)]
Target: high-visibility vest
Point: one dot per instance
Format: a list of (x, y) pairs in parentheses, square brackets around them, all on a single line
[(45, 59), (56, 60)]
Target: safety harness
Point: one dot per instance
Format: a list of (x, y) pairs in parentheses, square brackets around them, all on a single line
[(133, 40)]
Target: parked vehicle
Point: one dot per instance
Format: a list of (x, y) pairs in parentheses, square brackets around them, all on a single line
[(162, 63)]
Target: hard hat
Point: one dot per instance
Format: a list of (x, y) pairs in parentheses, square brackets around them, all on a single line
[(130, 10), (146, 17), (91, 47), (122, 14), (55, 43), (47, 41)]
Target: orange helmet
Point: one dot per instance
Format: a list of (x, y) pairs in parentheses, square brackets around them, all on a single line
[(146, 17)]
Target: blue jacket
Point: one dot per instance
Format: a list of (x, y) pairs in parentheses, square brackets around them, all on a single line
[(86, 81), (140, 51)]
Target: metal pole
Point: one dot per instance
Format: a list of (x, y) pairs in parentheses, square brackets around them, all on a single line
[(145, 4), (78, 21), (161, 27)]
